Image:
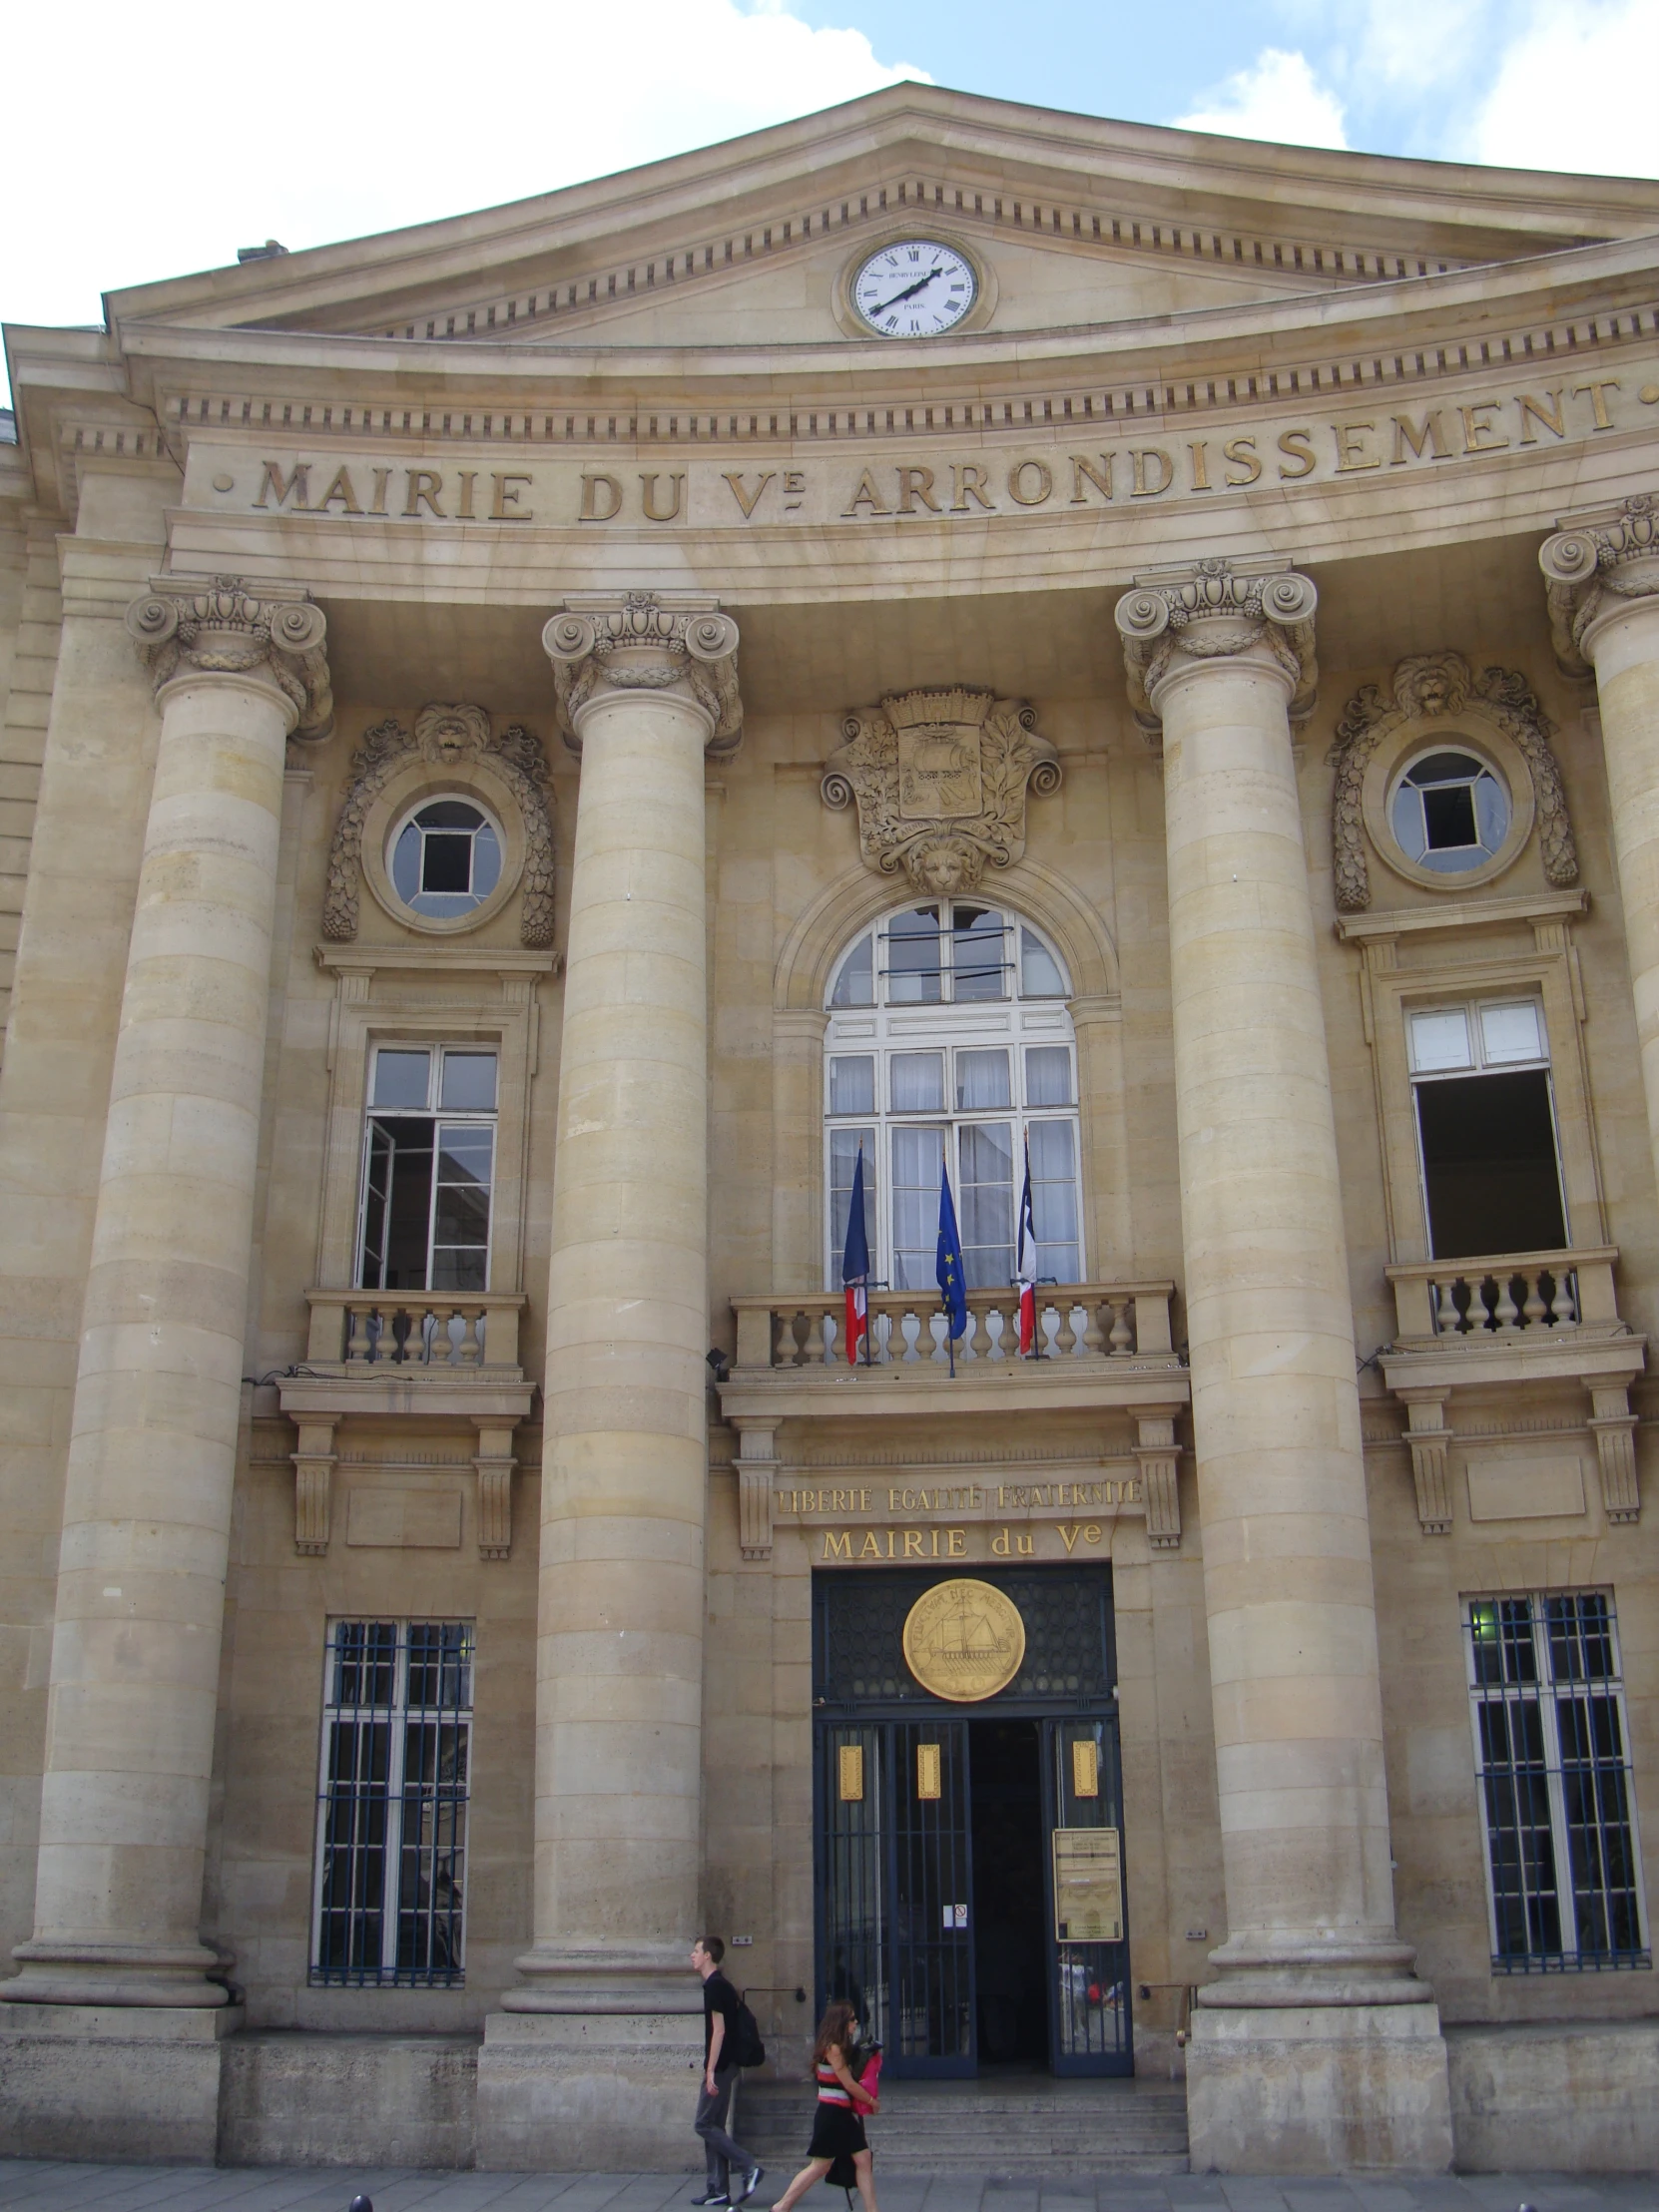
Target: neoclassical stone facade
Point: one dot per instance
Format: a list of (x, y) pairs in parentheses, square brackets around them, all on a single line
[(541, 753)]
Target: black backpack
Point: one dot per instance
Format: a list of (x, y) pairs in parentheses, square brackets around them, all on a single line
[(746, 2046)]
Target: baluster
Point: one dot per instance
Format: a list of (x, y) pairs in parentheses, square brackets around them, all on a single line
[(799, 1325), (1048, 1333), (938, 1327), (1091, 1344), (783, 1337), (1506, 1313), (402, 1323), (1437, 1322), (1471, 1312), (1122, 1339), (359, 1344), (467, 1354), (1534, 1311), (830, 1327), (911, 1329), (996, 1323), (1065, 1339), (1566, 1300), (967, 1342)]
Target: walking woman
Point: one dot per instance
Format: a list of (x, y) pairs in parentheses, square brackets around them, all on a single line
[(838, 2128)]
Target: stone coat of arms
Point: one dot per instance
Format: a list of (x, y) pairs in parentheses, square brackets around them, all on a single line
[(941, 780)]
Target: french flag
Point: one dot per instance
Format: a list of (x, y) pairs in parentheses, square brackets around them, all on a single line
[(1025, 1268), (856, 1270)]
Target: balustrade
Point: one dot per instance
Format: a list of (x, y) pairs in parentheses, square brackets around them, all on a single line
[(908, 1329), (361, 1331), (1523, 1294)]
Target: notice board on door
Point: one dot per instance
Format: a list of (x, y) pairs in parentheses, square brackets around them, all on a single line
[(1088, 1886)]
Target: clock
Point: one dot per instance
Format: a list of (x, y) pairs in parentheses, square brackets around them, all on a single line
[(913, 288)]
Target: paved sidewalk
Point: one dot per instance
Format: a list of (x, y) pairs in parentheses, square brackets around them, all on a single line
[(31, 2185)]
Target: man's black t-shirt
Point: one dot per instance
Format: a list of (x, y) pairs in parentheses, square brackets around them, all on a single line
[(718, 1997)]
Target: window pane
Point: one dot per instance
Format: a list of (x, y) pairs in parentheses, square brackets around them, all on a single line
[(1441, 1040), (405, 863), (1513, 1032), (843, 1159), (1040, 975), (1411, 833), (449, 814), (856, 982), (977, 941), (918, 1158), (447, 861), (914, 959), (486, 862), (1054, 1198), (401, 1079), (853, 1084), (987, 1203), (982, 1081), (1489, 1165), (1047, 1075), (462, 1216), (468, 1083), (918, 1082), (407, 1143)]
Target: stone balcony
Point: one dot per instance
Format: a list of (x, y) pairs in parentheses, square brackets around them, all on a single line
[(432, 1356), (1102, 1347), (1503, 1323)]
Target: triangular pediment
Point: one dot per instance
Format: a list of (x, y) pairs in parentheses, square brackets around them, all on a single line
[(1079, 222)]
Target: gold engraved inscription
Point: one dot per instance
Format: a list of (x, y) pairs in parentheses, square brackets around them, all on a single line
[(965, 1641)]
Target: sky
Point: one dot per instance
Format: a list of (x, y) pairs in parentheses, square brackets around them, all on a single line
[(150, 146)]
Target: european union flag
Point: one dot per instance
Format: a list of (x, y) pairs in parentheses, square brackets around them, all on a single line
[(948, 1267)]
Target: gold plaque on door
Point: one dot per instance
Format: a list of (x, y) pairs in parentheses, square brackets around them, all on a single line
[(1085, 1767), (965, 1641), (850, 1771), (927, 1771), (1088, 1886)]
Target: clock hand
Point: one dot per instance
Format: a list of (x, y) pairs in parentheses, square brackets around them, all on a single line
[(909, 292)]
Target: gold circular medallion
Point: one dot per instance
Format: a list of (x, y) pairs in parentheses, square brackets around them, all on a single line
[(965, 1641)]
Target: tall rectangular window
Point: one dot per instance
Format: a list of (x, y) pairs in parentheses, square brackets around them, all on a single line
[(1551, 1750), (391, 1803), (1486, 1112), (428, 1169)]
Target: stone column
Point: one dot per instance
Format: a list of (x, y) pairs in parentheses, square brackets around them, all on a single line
[(152, 1456), (1601, 574), (589, 2062), (1314, 2047)]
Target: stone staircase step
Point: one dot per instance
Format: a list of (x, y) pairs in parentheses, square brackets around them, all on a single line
[(1001, 2128)]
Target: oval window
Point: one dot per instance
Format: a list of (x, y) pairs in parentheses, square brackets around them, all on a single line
[(1449, 812), (446, 858)]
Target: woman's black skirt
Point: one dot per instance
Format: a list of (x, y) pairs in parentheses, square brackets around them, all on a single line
[(838, 2131)]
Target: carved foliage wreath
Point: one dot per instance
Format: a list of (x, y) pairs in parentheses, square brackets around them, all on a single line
[(1426, 687), (444, 734)]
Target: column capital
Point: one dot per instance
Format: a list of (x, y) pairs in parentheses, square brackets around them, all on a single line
[(1598, 561), (601, 643), (224, 626), (1216, 609)]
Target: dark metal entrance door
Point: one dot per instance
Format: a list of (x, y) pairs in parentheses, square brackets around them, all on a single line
[(1090, 2030)]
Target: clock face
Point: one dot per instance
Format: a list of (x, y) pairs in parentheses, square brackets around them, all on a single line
[(913, 288)]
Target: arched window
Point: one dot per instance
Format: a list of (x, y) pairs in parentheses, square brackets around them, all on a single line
[(949, 1044)]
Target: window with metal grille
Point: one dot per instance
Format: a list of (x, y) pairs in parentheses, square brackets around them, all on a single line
[(391, 1803), (1551, 1750)]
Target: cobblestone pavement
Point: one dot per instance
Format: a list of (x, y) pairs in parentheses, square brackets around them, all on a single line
[(33, 2185)]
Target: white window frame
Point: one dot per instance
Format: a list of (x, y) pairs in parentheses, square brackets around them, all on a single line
[(1543, 1692), (1479, 1065), (435, 1048), (395, 1714), (1014, 1023)]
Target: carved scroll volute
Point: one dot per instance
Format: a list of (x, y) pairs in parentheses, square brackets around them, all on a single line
[(941, 779), (225, 627), (1595, 564), (1215, 610), (647, 641)]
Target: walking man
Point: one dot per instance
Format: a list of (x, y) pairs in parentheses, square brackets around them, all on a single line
[(733, 2176)]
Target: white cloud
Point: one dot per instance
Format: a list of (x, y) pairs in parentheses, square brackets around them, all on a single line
[(1277, 98), (336, 118), (1574, 90)]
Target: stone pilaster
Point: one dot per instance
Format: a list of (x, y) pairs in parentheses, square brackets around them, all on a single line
[(589, 2059), (1314, 2047), (1601, 577), (152, 1456)]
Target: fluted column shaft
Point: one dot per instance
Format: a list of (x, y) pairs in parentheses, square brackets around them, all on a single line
[(1602, 577), (152, 1456), (1217, 658), (619, 1680)]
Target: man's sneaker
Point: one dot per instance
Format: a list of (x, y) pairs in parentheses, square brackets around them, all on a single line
[(751, 2182), (711, 2196)]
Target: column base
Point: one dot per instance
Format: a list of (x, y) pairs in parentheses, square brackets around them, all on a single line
[(111, 2081), (1318, 2088), (607, 2092), (95, 1975)]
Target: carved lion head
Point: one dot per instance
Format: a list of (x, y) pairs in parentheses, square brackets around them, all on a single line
[(447, 734)]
